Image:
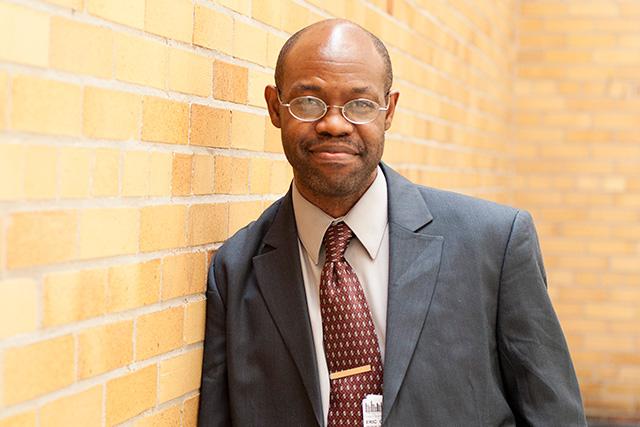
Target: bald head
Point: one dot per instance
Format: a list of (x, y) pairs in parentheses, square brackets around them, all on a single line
[(332, 32)]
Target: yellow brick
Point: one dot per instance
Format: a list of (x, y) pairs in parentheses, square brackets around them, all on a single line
[(162, 227), (183, 274), (257, 82), (140, 61), (181, 175), (159, 332), (213, 30), (165, 121), (241, 6), (626, 264), (135, 173), (194, 322), (596, 8), (127, 12), (247, 131), (81, 48), (72, 4), (190, 411), (4, 99), (106, 172), (616, 120), (133, 285), (272, 141), (160, 174), (46, 106), (40, 171), (24, 35), (268, 12), (249, 43), (260, 181), (225, 174), (18, 307), (591, 40), (610, 57), (108, 232), (274, 44), (210, 127), (104, 348), (190, 73), (281, 176), (110, 114), (180, 375), (230, 82), (25, 419), (567, 57), (73, 296), (80, 409), (543, 8), (12, 169), (131, 394), (629, 7), (170, 18), (26, 242), (39, 368), (169, 417), (242, 213), (232, 175), (208, 223), (203, 174), (294, 16), (74, 171)]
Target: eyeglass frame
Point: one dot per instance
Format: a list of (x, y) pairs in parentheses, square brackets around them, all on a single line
[(327, 107)]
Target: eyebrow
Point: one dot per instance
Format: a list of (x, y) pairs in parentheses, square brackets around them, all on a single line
[(316, 88), (307, 87), (362, 89)]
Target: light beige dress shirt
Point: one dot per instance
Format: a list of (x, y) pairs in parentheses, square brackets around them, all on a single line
[(368, 255)]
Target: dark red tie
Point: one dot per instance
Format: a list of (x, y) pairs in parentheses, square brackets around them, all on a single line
[(350, 341)]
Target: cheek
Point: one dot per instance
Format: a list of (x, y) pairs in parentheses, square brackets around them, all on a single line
[(294, 132), (373, 137)]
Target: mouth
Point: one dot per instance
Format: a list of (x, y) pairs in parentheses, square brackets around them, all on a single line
[(334, 156), (333, 152)]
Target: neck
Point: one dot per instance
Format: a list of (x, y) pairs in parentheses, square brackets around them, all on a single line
[(334, 206)]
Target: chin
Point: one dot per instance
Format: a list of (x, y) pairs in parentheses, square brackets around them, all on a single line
[(335, 184)]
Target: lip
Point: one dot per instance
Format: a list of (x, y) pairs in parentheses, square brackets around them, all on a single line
[(334, 153), (333, 149)]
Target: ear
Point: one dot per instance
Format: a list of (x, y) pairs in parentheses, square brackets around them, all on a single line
[(393, 100), (273, 105)]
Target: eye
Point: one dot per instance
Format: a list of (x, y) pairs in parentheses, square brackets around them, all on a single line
[(307, 107), (361, 106)]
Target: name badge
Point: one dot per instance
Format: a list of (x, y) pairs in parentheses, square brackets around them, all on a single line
[(372, 410)]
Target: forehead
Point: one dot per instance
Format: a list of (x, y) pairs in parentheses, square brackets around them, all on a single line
[(341, 55)]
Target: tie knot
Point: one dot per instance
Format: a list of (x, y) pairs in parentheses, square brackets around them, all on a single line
[(336, 240)]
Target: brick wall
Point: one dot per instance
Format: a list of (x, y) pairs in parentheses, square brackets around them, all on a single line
[(577, 122), (134, 141)]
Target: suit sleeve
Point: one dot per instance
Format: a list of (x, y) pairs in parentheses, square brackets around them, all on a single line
[(214, 396), (539, 378)]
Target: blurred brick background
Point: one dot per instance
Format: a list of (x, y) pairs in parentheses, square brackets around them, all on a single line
[(134, 140)]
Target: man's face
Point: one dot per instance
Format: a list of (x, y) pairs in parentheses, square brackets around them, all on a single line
[(331, 157)]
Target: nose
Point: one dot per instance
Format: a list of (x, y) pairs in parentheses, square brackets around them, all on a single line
[(334, 124)]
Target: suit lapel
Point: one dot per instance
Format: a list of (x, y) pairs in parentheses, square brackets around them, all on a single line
[(281, 284), (414, 263)]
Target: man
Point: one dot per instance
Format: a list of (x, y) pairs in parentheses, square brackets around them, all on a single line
[(438, 308)]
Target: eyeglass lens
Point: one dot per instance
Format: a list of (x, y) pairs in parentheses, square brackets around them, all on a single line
[(311, 108)]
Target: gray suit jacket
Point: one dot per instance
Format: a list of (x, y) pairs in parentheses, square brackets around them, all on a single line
[(472, 339)]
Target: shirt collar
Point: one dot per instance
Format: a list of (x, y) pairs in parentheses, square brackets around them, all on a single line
[(367, 219)]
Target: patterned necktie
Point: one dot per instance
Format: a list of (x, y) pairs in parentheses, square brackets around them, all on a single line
[(350, 341)]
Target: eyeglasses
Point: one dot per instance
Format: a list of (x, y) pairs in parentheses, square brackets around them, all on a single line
[(309, 109)]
